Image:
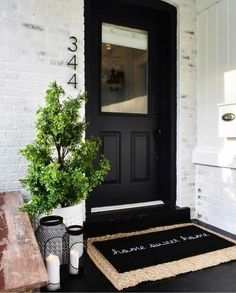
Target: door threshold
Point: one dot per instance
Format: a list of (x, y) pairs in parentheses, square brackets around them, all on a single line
[(126, 206), (134, 219)]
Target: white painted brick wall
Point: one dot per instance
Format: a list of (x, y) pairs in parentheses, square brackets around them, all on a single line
[(186, 103), (216, 197), (33, 52)]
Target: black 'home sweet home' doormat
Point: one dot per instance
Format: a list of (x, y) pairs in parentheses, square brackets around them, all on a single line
[(128, 259)]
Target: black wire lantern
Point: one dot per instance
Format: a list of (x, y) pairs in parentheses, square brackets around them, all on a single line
[(73, 244), (49, 236)]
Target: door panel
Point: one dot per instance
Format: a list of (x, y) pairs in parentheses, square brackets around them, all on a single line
[(130, 62), (111, 149), (140, 157)]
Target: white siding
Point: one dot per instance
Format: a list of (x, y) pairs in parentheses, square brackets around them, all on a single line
[(232, 39), (204, 4), (215, 157), (223, 46), (216, 57), (202, 77)]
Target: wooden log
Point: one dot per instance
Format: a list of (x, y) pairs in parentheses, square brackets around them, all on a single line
[(21, 264)]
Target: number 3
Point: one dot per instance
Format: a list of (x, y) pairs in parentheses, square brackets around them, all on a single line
[(73, 43)]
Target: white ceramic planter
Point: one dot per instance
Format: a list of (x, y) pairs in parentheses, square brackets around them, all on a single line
[(73, 215)]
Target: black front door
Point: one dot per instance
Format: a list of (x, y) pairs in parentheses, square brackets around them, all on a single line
[(130, 80)]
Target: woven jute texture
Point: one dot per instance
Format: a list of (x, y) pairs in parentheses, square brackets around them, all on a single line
[(161, 271)]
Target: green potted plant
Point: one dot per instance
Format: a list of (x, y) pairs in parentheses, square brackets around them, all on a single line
[(63, 166)]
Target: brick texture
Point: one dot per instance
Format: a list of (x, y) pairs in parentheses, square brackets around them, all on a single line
[(186, 102), (34, 41), (33, 52), (216, 197)]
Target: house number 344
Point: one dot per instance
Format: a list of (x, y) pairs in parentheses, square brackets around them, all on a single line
[(72, 62)]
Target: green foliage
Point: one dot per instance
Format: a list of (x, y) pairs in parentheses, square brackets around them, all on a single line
[(63, 167)]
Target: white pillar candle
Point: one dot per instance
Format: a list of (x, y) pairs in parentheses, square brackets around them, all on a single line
[(79, 247), (53, 269), (74, 262)]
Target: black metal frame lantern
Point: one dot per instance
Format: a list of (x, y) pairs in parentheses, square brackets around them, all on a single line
[(49, 235), (73, 243)]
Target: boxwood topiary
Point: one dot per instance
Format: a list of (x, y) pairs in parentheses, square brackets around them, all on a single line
[(63, 166)]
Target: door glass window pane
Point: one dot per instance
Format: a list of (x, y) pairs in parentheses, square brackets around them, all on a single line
[(124, 76)]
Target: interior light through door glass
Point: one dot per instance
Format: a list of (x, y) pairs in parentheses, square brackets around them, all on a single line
[(124, 70)]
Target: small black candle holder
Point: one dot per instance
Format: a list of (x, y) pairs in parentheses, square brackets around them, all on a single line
[(73, 244)]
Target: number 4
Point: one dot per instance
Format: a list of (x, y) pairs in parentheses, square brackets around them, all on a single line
[(73, 81), (72, 62)]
